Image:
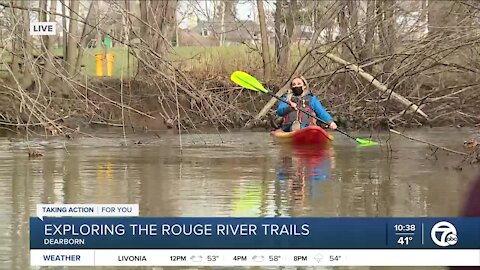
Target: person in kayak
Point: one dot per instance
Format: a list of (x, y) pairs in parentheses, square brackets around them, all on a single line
[(300, 95)]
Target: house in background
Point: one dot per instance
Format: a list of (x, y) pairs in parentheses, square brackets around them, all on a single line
[(187, 37), (210, 32), (233, 33), (197, 32), (302, 34)]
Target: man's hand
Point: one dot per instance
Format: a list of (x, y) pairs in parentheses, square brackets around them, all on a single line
[(333, 125), (293, 105)]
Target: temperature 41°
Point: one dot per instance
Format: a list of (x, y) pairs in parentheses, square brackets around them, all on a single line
[(404, 240)]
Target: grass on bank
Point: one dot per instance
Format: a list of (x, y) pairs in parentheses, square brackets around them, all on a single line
[(202, 60)]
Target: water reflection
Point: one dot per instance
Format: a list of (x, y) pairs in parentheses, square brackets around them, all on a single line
[(300, 168), (248, 200)]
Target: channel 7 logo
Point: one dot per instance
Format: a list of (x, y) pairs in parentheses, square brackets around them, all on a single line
[(447, 233)]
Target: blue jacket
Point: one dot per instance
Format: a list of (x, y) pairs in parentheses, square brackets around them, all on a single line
[(314, 104)]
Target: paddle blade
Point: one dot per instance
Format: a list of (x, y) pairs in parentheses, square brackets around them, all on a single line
[(246, 80), (365, 142)]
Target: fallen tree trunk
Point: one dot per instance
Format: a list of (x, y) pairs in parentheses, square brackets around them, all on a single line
[(380, 86), (349, 66)]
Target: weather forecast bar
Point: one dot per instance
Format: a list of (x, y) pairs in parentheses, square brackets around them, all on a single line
[(264, 257)]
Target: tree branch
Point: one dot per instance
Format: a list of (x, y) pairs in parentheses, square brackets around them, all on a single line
[(429, 143)]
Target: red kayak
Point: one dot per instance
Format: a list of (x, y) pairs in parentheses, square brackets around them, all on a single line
[(309, 135)]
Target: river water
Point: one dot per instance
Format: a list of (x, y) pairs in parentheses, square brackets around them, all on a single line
[(228, 174)]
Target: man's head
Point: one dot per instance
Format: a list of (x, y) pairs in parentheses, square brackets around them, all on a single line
[(298, 85)]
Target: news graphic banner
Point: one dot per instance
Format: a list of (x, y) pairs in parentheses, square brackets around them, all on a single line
[(114, 235)]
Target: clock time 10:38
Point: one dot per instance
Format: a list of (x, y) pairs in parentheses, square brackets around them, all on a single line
[(404, 228)]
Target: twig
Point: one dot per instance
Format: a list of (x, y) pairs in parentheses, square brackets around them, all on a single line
[(65, 147), (429, 143), (106, 123), (121, 102), (178, 113)]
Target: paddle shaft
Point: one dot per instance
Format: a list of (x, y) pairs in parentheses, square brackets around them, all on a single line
[(307, 113)]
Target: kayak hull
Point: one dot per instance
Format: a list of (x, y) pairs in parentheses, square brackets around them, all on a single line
[(306, 136)]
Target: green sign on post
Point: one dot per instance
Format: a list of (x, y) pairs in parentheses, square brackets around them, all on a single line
[(107, 42)]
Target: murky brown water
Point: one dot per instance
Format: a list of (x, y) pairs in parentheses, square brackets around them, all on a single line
[(236, 174)]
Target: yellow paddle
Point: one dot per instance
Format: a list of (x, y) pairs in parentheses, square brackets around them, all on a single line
[(246, 80)]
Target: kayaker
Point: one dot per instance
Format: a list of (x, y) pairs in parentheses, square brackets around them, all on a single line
[(293, 119)]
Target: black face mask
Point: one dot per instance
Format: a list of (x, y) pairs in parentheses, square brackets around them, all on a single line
[(297, 91)]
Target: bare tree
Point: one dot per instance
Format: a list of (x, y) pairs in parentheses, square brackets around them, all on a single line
[(22, 54), (158, 26), (367, 52), (284, 26), (48, 43), (267, 64), (441, 18), (73, 37), (385, 9), (83, 40)]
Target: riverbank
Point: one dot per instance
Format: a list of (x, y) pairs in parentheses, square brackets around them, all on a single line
[(196, 92), (217, 103)]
